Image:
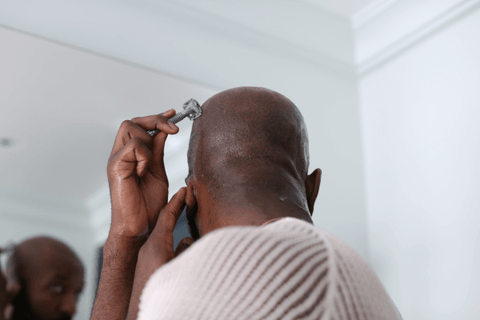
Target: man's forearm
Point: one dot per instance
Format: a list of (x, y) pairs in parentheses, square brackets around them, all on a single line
[(116, 279)]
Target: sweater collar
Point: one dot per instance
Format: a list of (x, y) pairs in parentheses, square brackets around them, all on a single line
[(272, 220)]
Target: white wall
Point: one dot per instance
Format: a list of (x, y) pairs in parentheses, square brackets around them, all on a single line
[(421, 126), (330, 107)]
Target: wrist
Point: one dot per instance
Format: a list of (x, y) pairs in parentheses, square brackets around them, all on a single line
[(128, 224), (121, 249), (121, 241)]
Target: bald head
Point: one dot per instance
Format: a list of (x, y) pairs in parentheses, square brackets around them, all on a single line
[(50, 278), (244, 131), (248, 141), (46, 251)]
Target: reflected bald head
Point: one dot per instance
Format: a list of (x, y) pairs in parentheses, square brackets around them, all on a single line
[(49, 276), (42, 251), (248, 160)]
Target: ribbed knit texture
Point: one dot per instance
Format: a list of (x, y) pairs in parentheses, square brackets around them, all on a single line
[(288, 269)]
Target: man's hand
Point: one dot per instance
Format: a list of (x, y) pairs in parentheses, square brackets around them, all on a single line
[(136, 175), (139, 190), (158, 249)]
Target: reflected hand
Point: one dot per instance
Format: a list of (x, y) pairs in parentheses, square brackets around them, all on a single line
[(9, 288), (3, 293), (136, 175)]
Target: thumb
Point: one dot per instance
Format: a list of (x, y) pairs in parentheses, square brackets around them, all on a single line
[(183, 245), (12, 289), (8, 312)]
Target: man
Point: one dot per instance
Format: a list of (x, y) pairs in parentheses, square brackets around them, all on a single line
[(44, 280), (249, 198)]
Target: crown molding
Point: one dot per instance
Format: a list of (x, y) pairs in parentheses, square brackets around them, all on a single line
[(389, 44), (370, 12)]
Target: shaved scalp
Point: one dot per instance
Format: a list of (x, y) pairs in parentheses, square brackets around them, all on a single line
[(243, 135), (34, 250)]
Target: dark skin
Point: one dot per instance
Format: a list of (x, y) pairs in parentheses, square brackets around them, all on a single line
[(259, 171), (248, 161), (44, 281), (139, 191), (3, 293)]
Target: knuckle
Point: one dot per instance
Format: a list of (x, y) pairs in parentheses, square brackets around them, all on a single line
[(136, 141), (126, 124), (109, 166), (111, 163), (112, 167), (142, 250), (161, 118), (136, 119)]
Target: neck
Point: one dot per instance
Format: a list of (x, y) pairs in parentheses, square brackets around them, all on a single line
[(246, 206)]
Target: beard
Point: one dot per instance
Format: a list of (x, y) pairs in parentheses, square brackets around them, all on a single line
[(22, 310)]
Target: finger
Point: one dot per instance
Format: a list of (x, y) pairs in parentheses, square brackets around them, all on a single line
[(158, 152), (158, 121), (12, 289), (129, 130), (8, 312), (191, 203), (190, 197), (169, 215), (183, 245), (134, 157)]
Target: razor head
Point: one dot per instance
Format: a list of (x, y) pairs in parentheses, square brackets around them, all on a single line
[(192, 104)]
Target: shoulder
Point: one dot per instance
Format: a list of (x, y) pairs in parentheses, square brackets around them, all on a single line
[(288, 262)]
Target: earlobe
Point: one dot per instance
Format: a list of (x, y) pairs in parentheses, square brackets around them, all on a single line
[(312, 185), (12, 289)]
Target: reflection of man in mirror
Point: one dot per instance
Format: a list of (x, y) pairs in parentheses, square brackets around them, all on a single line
[(44, 281)]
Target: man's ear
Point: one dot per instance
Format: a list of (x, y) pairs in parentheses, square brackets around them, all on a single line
[(191, 210), (312, 185)]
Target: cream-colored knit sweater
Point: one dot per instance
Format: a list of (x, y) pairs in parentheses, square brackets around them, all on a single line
[(288, 269)]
